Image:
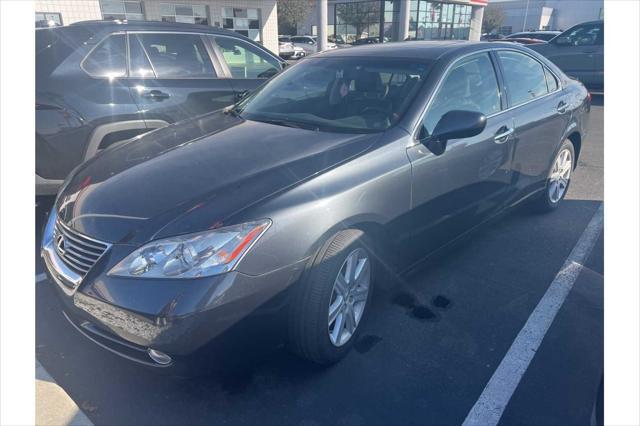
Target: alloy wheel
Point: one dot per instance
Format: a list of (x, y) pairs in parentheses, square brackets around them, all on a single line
[(560, 175), (349, 297)]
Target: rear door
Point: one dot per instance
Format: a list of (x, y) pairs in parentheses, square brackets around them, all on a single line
[(540, 110), (247, 65), (460, 188), (174, 76), (83, 98)]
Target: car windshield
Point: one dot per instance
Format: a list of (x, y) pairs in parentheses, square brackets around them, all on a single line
[(348, 94)]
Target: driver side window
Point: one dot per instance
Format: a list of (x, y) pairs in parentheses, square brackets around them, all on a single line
[(582, 35), (470, 86)]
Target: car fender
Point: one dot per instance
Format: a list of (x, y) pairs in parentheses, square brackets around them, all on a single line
[(305, 216)]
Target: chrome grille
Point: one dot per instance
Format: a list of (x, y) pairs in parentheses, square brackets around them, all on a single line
[(77, 251)]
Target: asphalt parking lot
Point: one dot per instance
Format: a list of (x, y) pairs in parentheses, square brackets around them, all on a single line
[(426, 352)]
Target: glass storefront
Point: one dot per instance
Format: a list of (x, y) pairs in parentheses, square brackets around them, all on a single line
[(439, 21), (357, 20), (429, 20)]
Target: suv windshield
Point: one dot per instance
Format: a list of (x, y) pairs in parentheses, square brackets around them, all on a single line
[(350, 94)]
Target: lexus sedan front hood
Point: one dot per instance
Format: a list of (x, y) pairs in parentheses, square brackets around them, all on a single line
[(195, 175)]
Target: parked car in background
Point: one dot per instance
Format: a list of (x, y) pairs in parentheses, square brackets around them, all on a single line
[(579, 52), (491, 37), (287, 208), (102, 82), (339, 40), (369, 40), (520, 40), (309, 44), (287, 50), (537, 35)]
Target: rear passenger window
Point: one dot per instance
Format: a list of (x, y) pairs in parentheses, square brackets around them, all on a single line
[(108, 59), (470, 86), (552, 82), (177, 55), (245, 60), (524, 77), (139, 65)]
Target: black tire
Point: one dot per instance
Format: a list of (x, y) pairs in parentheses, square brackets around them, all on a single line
[(308, 328), (543, 202)]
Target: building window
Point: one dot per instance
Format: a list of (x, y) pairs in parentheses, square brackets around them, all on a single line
[(391, 19), (361, 20), (243, 21), (48, 19), (506, 30), (190, 14), (439, 21), (119, 9)]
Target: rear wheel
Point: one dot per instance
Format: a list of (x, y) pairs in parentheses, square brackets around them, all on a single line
[(331, 303), (558, 179)]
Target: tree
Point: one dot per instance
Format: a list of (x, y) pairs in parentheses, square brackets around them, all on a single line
[(291, 13), (492, 19)]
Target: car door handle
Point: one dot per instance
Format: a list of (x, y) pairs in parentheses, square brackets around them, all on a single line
[(562, 107), (502, 135), (155, 95)]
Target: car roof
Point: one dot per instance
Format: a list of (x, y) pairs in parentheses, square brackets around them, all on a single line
[(597, 21), (536, 32), (428, 50), (102, 25)]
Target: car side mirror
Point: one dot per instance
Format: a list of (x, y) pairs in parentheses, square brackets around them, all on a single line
[(456, 124), (562, 41)]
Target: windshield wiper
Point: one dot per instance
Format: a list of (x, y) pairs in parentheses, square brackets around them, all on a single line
[(288, 123)]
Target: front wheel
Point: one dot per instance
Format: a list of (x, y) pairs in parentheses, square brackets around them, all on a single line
[(330, 304), (558, 179)]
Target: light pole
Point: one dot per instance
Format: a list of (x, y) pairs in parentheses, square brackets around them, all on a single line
[(322, 25), (526, 12)]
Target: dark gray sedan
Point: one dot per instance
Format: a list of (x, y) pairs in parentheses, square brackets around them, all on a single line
[(342, 171)]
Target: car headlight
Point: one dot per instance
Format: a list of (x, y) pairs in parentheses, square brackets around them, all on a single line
[(194, 255)]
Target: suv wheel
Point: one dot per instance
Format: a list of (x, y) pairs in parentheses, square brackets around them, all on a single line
[(330, 304)]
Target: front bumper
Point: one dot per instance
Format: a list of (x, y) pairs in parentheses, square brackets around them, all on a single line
[(177, 317)]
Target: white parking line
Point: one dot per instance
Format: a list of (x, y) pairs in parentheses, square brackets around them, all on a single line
[(496, 395), (41, 277)]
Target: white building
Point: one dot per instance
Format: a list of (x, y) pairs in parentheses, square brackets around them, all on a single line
[(256, 19), (522, 15)]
